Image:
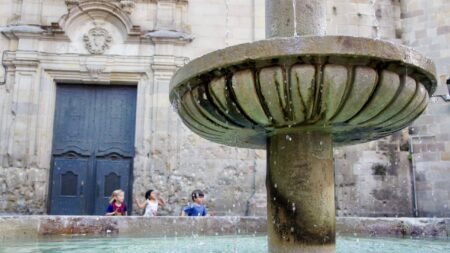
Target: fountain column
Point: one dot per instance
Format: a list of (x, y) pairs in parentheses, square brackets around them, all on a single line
[(286, 18), (300, 176), (300, 192)]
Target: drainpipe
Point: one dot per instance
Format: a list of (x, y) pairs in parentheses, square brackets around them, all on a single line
[(413, 171)]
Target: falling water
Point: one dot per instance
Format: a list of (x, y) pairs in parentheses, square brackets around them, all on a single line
[(227, 22), (294, 6), (376, 25)]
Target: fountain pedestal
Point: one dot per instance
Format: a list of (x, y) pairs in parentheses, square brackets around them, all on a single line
[(300, 193), (297, 97)]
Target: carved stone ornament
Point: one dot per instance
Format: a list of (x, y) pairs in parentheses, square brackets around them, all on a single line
[(97, 40), (71, 3), (94, 70), (127, 5)]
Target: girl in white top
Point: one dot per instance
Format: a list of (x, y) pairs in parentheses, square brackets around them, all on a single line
[(152, 201)]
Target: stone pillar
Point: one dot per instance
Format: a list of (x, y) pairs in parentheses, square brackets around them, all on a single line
[(300, 192), (300, 176), (24, 110), (308, 18)]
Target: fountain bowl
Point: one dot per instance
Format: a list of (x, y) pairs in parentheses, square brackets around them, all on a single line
[(357, 89)]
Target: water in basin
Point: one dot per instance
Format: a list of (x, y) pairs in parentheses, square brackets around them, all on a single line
[(214, 244)]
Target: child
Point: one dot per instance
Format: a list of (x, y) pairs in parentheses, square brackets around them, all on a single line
[(197, 208), (116, 206), (152, 201)]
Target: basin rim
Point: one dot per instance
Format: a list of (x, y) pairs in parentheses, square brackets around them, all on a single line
[(346, 46)]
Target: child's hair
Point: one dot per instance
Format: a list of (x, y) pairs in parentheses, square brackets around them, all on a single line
[(148, 194), (197, 193), (114, 195)]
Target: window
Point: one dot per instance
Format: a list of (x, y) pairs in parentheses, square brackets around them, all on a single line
[(112, 182), (69, 182)]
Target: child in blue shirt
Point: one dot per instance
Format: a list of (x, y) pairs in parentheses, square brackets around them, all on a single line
[(197, 208)]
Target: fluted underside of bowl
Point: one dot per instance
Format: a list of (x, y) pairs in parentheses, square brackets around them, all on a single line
[(357, 89)]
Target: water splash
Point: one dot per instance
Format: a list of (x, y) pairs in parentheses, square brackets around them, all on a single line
[(376, 24), (227, 22), (294, 6)]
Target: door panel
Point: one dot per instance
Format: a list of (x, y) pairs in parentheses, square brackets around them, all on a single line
[(73, 119), (112, 174), (116, 110), (69, 178)]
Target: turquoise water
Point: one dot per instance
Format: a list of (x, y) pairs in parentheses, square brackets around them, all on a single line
[(222, 244)]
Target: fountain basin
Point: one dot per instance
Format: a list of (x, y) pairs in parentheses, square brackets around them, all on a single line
[(209, 234), (356, 89), (216, 244), (30, 227)]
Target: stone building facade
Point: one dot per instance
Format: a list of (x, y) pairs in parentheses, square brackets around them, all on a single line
[(427, 28), (51, 44)]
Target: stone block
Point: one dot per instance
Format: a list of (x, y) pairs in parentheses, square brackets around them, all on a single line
[(412, 14), (435, 147), (445, 156)]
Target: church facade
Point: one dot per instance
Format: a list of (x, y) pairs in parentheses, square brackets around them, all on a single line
[(84, 108)]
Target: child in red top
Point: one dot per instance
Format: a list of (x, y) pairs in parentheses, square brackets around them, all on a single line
[(116, 206)]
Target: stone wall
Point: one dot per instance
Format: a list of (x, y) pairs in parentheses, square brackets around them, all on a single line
[(150, 40), (426, 26), (430, 139), (365, 18), (180, 161), (372, 179)]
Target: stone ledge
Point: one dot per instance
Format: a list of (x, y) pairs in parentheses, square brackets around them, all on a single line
[(23, 227), (415, 227)]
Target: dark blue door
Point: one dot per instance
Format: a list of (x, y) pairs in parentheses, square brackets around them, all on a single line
[(70, 175), (93, 147)]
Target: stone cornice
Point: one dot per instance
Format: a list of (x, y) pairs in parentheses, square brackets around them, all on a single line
[(167, 36), (94, 68), (22, 31), (127, 6)]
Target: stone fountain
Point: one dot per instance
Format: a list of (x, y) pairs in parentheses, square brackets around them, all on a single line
[(298, 96)]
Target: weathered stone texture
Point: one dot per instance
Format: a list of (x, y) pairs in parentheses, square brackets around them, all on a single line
[(23, 190), (374, 179), (364, 18), (169, 157), (426, 27), (32, 227), (431, 160)]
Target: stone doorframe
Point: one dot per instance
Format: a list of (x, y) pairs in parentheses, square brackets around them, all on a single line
[(29, 101)]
